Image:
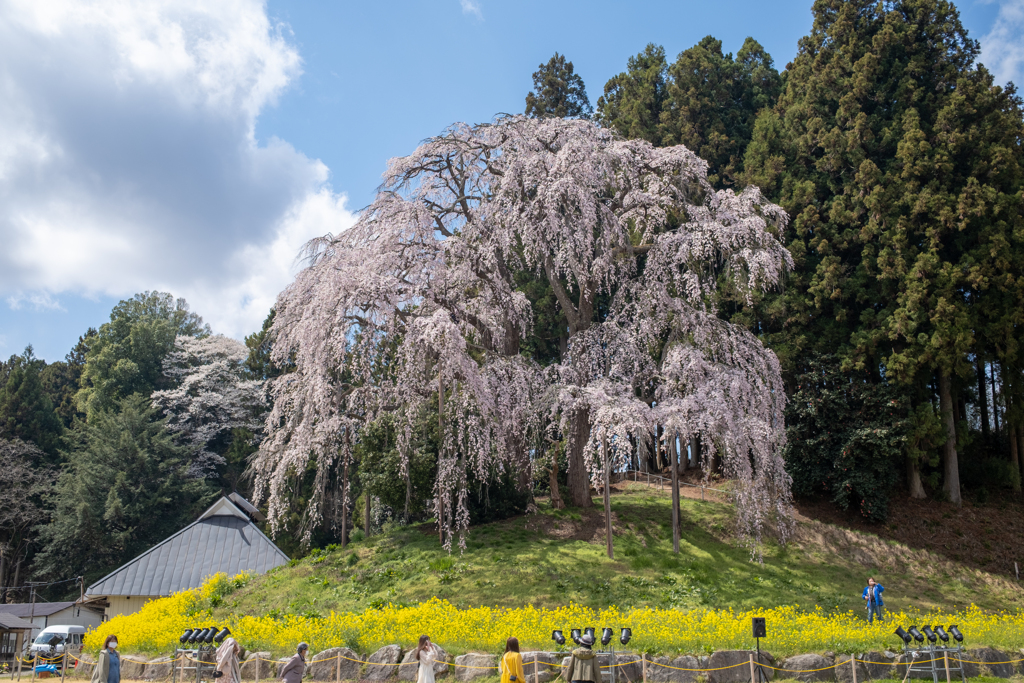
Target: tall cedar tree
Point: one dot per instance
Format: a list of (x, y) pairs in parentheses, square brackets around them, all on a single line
[(125, 487), (899, 162), (558, 91), (126, 356), (706, 100), (26, 412), (62, 380)]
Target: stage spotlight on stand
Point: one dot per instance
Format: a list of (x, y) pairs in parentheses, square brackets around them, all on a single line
[(575, 635), (606, 636), (903, 635), (627, 633), (185, 636), (917, 634), (211, 634), (927, 630), (955, 632), (557, 636), (941, 633), (589, 631), (219, 638)]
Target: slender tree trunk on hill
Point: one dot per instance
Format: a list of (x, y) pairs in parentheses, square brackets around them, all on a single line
[(344, 508), (366, 512), (914, 479), (607, 496), (951, 468), (556, 496), (673, 454), (995, 403), (982, 395), (1014, 456), (579, 481)]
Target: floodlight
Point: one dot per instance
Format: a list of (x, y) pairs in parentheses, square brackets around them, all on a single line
[(211, 634), (904, 636), (185, 636), (941, 633), (195, 635), (222, 635), (927, 630), (606, 636), (590, 632), (955, 632), (201, 636), (575, 635), (627, 633), (557, 636), (917, 634)]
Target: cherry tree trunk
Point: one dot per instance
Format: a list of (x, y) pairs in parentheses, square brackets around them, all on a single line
[(950, 464), (344, 507), (556, 496), (579, 481)]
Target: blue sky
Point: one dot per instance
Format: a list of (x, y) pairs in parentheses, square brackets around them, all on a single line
[(192, 147)]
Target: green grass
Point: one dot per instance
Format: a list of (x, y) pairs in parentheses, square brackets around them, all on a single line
[(558, 556)]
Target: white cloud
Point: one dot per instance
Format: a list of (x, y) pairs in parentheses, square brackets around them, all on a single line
[(129, 159), (1002, 48), (471, 7), (38, 300)]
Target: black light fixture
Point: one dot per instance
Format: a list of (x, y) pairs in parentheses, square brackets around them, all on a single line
[(941, 633), (203, 635), (219, 638), (196, 635), (904, 636), (211, 634), (557, 636), (606, 636), (185, 636), (589, 631), (627, 633), (927, 630), (955, 632), (575, 635), (917, 634)]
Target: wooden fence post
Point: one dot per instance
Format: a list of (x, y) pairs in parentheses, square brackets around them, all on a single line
[(945, 660), (853, 663), (753, 676), (643, 665), (337, 669)]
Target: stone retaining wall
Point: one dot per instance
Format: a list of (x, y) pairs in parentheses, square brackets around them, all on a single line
[(382, 667)]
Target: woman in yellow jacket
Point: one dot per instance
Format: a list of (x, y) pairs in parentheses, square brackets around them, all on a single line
[(512, 663)]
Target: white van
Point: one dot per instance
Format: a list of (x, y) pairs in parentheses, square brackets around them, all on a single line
[(59, 638)]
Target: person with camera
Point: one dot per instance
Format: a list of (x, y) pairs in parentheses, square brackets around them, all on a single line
[(228, 670), (512, 663), (873, 597), (584, 666)]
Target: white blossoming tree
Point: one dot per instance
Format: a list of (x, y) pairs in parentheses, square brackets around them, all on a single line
[(418, 302), (212, 396)]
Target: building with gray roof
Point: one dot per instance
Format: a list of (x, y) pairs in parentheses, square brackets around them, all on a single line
[(223, 539)]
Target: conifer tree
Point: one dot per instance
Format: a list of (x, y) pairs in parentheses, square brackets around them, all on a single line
[(898, 161), (26, 412), (558, 91)]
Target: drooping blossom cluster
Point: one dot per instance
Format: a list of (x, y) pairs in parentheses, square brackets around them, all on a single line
[(419, 302), (212, 396)]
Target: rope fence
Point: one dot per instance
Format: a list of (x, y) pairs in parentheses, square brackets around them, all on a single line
[(536, 663)]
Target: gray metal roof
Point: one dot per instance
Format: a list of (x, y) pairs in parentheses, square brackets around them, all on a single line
[(41, 609), (223, 539), (12, 623)]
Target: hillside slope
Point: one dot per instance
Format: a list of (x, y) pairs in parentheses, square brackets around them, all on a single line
[(556, 557)]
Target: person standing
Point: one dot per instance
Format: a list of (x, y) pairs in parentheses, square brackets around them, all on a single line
[(108, 666), (512, 663), (426, 655), (295, 668), (583, 666), (227, 661), (873, 597)]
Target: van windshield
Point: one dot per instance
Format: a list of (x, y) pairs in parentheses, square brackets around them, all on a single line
[(45, 638)]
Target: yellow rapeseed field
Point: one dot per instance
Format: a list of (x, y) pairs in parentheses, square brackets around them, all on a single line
[(792, 629)]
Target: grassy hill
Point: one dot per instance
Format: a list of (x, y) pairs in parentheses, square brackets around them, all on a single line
[(556, 557)]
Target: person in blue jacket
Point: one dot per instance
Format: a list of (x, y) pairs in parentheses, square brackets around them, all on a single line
[(873, 597)]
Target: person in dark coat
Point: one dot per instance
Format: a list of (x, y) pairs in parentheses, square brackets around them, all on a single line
[(294, 668)]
